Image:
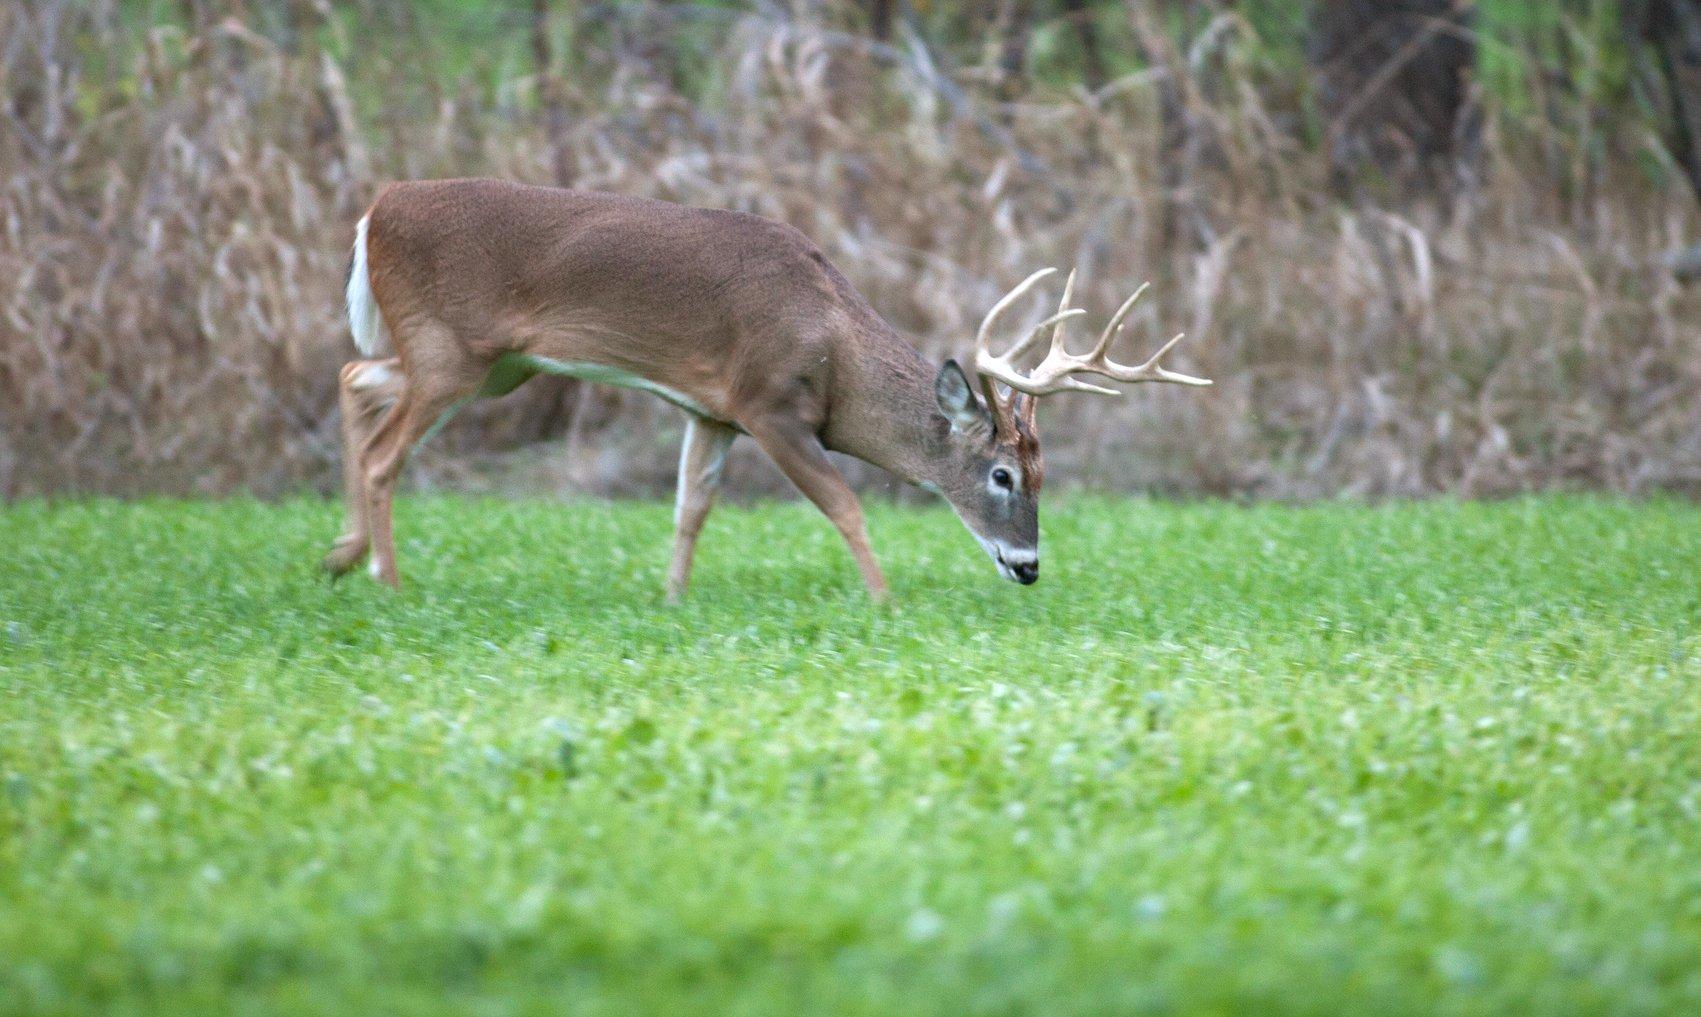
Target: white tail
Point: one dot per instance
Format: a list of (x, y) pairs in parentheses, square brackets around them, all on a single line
[(739, 321), (363, 319)]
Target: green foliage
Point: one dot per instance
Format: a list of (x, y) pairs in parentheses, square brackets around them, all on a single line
[(1576, 47), (486, 42), (1430, 758)]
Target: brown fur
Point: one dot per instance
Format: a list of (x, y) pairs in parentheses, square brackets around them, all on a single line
[(1027, 445)]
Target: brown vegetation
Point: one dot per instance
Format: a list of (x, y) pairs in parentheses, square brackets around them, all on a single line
[(178, 203)]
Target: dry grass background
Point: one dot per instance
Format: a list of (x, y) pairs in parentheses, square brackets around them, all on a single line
[(177, 205)]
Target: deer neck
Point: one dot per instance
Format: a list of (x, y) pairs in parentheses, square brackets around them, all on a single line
[(884, 410)]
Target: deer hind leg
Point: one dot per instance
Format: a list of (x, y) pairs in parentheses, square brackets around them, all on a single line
[(800, 456), (365, 389), (441, 375), (701, 462)]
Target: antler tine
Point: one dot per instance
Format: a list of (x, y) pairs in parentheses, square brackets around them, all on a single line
[(1163, 374), (1055, 323), (1098, 361), (1053, 370), (1116, 320), (1057, 333), (983, 337), (1148, 371)]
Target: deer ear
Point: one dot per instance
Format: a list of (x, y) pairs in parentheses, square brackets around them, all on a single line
[(957, 401)]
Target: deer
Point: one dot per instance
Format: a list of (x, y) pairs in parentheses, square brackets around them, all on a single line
[(478, 285)]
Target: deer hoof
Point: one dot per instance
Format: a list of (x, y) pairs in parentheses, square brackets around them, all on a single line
[(344, 556)]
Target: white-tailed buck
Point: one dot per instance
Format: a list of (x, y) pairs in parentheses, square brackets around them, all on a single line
[(739, 321)]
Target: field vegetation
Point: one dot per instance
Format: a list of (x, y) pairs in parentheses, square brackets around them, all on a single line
[(1430, 759), (1398, 296)]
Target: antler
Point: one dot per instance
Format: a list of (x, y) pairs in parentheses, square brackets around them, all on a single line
[(1056, 372)]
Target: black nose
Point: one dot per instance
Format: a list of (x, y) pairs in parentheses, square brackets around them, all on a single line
[(1027, 573)]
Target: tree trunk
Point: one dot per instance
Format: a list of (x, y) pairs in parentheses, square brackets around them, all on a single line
[(1178, 141), (1092, 57), (1012, 24), (552, 401), (551, 101), (1670, 32), (1394, 83), (880, 19)]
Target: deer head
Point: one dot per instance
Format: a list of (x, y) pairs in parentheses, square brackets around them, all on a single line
[(995, 471)]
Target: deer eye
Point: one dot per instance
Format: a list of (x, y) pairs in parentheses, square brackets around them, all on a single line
[(1001, 477)]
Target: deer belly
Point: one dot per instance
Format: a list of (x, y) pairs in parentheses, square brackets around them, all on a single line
[(513, 368)]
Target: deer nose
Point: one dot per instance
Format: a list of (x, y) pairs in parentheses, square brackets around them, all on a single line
[(1027, 573)]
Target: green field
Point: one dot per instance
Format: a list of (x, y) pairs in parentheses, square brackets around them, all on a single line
[(1416, 759)]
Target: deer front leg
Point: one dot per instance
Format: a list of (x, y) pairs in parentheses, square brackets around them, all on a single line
[(701, 462), (801, 457), (365, 390)]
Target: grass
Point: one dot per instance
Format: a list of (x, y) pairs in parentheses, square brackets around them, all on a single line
[(1433, 758)]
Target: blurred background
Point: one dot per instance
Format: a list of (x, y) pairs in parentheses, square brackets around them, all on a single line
[(1424, 246)]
